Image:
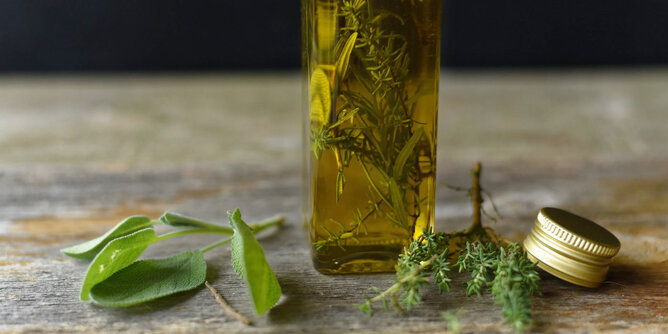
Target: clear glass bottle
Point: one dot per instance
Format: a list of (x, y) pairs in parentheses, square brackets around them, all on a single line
[(371, 99)]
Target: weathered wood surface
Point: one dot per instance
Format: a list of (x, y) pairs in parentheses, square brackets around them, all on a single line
[(79, 153)]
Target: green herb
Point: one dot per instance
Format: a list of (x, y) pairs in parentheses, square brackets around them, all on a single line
[(249, 262), (115, 279), (493, 263), (480, 260), (179, 220), (116, 255), (453, 321), (147, 280), (383, 133), (514, 283), (89, 249), (514, 278)]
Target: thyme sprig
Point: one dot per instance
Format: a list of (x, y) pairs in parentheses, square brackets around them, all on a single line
[(494, 265), (479, 259), (413, 274), (514, 283)]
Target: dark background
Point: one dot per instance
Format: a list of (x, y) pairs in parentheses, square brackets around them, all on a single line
[(147, 35)]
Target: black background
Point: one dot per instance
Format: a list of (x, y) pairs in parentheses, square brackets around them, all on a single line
[(146, 35)]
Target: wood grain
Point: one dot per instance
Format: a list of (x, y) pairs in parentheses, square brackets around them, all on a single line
[(77, 154)]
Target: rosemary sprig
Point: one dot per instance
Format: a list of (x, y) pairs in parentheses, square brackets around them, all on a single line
[(382, 134)]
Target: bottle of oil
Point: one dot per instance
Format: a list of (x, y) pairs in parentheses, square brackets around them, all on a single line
[(370, 94)]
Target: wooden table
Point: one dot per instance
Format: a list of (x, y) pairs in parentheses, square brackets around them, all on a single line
[(78, 153)]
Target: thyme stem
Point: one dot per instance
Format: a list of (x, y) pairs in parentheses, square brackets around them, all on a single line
[(227, 307), (476, 197), (397, 285)]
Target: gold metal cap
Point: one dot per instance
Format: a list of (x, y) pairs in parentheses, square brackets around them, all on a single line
[(571, 247)]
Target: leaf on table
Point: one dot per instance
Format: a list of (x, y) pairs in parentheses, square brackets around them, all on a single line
[(89, 249), (250, 263), (179, 220), (116, 255), (147, 280)]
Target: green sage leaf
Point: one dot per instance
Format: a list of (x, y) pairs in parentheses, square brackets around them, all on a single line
[(116, 255), (89, 249), (250, 263), (147, 280)]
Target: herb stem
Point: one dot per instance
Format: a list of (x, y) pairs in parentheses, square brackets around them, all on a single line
[(393, 288), (257, 228), (227, 307), (151, 223), (215, 244), (373, 184), (217, 229), (269, 222), (192, 231), (476, 197)]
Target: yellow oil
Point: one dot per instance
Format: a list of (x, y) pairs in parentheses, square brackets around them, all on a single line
[(362, 224)]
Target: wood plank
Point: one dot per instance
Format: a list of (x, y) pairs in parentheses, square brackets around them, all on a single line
[(78, 154)]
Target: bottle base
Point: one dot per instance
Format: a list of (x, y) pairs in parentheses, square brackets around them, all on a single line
[(357, 260)]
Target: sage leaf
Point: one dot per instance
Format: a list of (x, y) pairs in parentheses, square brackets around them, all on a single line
[(147, 280), (406, 152), (89, 249), (179, 220), (321, 99), (116, 255), (250, 263)]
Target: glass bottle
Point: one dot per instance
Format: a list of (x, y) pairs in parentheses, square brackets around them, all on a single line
[(370, 76)]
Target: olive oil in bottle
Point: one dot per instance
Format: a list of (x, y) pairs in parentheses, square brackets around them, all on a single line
[(371, 91)]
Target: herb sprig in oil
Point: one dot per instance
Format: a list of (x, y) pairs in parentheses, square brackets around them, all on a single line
[(364, 112)]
